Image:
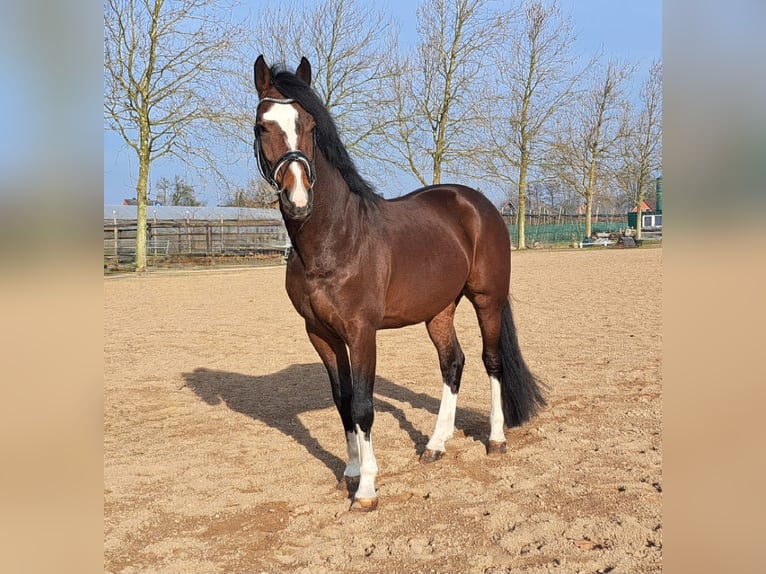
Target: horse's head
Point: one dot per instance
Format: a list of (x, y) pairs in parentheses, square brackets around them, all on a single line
[(285, 145)]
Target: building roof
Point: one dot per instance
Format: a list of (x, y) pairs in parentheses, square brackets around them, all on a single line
[(646, 205), (180, 212)]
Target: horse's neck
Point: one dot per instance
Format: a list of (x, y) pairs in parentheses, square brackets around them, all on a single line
[(331, 225)]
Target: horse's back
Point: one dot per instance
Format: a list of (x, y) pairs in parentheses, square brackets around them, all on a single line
[(455, 209), (455, 198)]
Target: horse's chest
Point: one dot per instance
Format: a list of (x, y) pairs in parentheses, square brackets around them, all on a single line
[(329, 299)]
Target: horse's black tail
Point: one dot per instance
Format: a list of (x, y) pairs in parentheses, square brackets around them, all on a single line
[(521, 391)]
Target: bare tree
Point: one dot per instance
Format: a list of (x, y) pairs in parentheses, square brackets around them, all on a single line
[(641, 145), (587, 138), (162, 62), (257, 194), (177, 192), (439, 90), (537, 78)]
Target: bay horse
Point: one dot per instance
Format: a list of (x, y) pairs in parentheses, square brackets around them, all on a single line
[(361, 263)]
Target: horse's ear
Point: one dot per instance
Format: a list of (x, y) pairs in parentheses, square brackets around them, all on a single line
[(262, 75), (304, 71)]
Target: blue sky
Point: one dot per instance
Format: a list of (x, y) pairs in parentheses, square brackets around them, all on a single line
[(625, 29)]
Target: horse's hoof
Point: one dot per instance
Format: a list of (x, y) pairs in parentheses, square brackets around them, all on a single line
[(364, 505), (430, 456), (496, 448), (348, 483)]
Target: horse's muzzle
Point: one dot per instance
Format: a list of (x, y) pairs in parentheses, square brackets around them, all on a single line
[(292, 211)]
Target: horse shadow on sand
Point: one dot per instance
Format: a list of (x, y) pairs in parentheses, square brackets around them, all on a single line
[(278, 399)]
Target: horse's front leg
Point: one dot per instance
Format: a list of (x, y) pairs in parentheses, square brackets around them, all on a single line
[(332, 350), (363, 352)]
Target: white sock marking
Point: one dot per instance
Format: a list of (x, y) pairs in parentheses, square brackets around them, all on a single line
[(445, 420), (496, 418), (368, 467)]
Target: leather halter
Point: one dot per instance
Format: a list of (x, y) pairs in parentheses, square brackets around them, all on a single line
[(268, 172)]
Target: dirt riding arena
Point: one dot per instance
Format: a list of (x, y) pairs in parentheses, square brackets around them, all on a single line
[(222, 447)]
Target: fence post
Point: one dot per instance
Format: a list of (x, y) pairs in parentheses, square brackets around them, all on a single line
[(116, 237), (188, 234)]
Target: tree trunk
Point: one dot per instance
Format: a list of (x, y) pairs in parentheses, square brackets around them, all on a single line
[(639, 202), (589, 193), (141, 194), (437, 173), (522, 242)]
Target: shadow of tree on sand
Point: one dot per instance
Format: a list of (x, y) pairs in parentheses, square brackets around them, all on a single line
[(278, 398)]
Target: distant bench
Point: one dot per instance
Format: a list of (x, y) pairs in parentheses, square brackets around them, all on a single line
[(128, 247), (155, 246), (600, 242), (284, 248)]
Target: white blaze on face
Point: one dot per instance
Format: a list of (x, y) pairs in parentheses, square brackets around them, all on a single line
[(286, 117)]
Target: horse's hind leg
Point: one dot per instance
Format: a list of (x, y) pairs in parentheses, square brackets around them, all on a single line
[(441, 329), (488, 312), (516, 394)]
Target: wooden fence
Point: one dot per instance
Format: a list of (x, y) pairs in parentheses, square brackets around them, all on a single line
[(167, 238)]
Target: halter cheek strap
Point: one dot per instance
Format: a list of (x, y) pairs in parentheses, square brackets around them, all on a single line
[(268, 172)]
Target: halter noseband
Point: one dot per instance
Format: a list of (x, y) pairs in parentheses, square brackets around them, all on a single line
[(268, 172)]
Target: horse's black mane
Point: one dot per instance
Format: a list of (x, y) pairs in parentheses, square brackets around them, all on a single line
[(327, 138)]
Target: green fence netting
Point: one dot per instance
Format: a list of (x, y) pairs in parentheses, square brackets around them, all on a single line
[(561, 232)]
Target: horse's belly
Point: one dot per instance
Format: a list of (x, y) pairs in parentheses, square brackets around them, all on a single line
[(411, 301)]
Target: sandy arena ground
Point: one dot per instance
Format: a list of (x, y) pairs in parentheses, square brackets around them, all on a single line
[(222, 447)]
